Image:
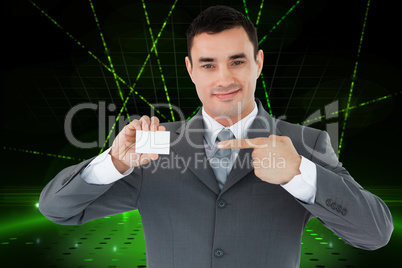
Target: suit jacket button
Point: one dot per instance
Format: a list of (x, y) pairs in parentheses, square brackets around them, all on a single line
[(328, 202), (221, 203), (218, 253), (344, 211), (339, 208)]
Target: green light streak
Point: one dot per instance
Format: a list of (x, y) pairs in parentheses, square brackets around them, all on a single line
[(279, 21), (41, 153), (259, 13), (262, 76), (157, 56), (21, 224), (139, 75), (266, 94), (108, 56), (98, 60), (132, 90), (245, 9), (193, 113), (353, 79), (350, 108)]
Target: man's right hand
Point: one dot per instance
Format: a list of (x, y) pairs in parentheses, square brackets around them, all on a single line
[(123, 149)]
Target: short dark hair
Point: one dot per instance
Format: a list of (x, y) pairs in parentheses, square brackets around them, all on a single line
[(216, 19)]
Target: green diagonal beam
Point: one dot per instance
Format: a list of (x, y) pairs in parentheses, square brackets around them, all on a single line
[(139, 74), (266, 94), (157, 58), (27, 151), (245, 9), (279, 21), (353, 78), (318, 119), (259, 13), (193, 113), (108, 56), (272, 29), (132, 90)]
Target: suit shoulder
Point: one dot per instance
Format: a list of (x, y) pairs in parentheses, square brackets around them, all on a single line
[(291, 129), (304, 138), (173, 126)]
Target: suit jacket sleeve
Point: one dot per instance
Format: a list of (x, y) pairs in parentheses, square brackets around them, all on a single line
[(69, 200), (360, 218)]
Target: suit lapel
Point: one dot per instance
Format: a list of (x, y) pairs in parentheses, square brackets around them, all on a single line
[(262, 126), (189, 144)]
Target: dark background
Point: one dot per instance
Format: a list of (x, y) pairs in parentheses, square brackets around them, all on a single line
[(309, 61)]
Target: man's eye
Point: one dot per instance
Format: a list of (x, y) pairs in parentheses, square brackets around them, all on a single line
[(238, 62), (207, 66)]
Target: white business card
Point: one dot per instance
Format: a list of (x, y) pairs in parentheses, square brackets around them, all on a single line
[(152, 142)]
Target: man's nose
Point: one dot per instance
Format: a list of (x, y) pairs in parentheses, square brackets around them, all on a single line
[(225, 77)]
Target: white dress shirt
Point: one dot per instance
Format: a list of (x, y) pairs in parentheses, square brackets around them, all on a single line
[(303, 186)]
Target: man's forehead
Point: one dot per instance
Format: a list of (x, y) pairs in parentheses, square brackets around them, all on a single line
[(224, 44), (208, 47)]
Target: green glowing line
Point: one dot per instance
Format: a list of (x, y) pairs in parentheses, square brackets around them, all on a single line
[(104, 65), (108, 56), (266, 94), (350, 108), (22, 223), (193, 113), (259, 13), (157, 57), (353, 79), (41, 153), (97, 59), (139, 75), (245, 9), (279, 21)]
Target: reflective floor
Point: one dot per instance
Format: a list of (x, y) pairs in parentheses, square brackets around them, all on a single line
[(27, 239)]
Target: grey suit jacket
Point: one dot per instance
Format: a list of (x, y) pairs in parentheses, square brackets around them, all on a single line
[(189, 223)]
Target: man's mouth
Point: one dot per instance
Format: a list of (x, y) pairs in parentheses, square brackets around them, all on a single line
[(227, 96)]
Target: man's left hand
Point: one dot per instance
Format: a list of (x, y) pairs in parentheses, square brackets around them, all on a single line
[(275, 159)]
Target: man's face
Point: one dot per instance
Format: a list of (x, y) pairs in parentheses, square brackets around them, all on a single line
[(225, 72)]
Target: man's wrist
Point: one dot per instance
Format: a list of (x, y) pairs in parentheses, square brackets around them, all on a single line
[(304, 185), (119, 165)]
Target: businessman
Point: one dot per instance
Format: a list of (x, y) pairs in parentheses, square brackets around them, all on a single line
[(245, 184)]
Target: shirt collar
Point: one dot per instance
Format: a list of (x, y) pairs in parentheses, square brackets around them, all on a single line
[(239, 129)]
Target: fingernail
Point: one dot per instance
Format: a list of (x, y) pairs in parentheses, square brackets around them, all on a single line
[(221, 144), (154, 127)]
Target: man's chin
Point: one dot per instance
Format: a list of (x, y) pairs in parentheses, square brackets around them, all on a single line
[(232, 114)]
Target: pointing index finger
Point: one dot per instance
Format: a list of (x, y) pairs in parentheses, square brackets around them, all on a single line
[(237, 143)]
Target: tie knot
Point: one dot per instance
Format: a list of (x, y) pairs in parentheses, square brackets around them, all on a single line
[(225, 134)]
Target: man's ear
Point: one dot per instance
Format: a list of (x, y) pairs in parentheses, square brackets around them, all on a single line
[(189, 68), (260, 62)]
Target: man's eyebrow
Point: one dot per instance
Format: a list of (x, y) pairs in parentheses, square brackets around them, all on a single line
[(237, 56), (233, 57), (203, 59)]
